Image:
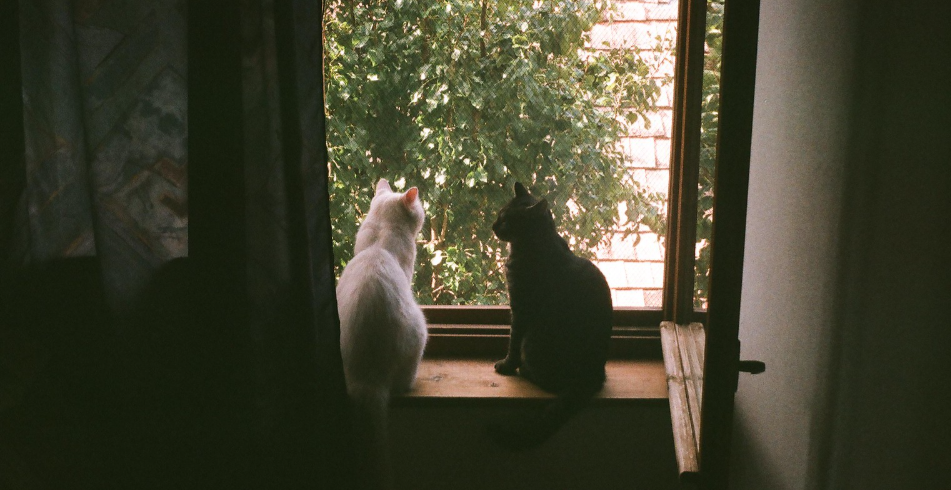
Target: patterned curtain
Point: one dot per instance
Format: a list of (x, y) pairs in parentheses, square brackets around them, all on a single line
[(105, 105), (157, 331)]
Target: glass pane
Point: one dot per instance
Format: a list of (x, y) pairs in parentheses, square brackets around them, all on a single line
[(708, 149), (462, 98)]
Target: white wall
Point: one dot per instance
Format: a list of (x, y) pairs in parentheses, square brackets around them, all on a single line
[(796, 178), (842, 293)]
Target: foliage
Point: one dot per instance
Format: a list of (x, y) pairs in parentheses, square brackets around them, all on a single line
[(462, 98), (708, 148)]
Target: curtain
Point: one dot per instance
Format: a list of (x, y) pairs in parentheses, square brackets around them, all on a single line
[(168, 308)]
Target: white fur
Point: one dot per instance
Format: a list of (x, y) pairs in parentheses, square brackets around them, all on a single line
[(382, 328)]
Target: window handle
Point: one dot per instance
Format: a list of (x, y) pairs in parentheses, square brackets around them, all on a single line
[(752, 367)]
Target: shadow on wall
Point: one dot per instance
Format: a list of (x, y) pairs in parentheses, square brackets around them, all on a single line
[(748, 461), (602, 448)]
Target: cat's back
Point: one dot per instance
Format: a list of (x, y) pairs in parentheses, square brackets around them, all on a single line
[(373, 276), (382, 329), (582, 289), (589, 275), (566, 290), (562, 272), (568, 311)]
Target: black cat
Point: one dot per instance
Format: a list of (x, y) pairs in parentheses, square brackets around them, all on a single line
[(561, 316)]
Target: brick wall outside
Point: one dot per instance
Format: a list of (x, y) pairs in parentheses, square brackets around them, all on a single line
[(634, 266)]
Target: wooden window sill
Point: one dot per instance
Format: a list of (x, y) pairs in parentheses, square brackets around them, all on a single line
[(474, 380)]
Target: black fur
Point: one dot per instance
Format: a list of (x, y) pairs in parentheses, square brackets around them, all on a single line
[(561, 316)]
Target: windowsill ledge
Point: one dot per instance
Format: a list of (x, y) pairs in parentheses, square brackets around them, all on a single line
[(454, 380)]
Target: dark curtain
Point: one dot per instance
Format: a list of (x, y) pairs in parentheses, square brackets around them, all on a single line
[(168, 310)]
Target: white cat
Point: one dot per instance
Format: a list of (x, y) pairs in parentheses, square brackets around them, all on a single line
[(382, 328)]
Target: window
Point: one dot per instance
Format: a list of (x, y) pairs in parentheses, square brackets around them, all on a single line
[(612, 110), (464, 98)]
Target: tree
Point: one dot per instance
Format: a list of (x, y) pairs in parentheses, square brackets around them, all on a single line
[(710, 106), (463, 98)]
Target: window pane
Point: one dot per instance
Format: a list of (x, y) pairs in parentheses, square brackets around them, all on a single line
[(462, 98), (708, 149)]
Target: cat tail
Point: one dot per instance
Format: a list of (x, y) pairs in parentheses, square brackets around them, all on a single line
[(370, 419), (525, 433)]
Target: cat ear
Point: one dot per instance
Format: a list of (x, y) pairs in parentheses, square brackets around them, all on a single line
[(410, 197), (382, 186), (520, 190), (540, 206)]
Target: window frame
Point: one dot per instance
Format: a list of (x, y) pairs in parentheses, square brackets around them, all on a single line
[(731, 188), (483, 331), (683, 356)]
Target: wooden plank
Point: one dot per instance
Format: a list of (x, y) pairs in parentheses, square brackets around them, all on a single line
[(473, 341), (700, 339), (501, 315), (469, 314), (685, 440), (476, 379), (692, 369)]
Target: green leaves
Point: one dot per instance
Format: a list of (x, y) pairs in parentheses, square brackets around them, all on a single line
[(464, 97), (708, 140)]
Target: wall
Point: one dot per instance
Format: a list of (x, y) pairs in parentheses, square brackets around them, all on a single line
[(796, 177), (846, 274), (602, 447)]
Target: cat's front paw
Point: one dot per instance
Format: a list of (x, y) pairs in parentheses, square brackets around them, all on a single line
[(506, 367)]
